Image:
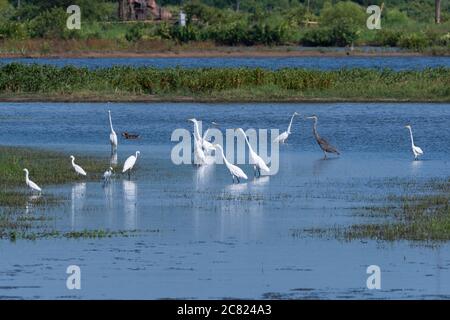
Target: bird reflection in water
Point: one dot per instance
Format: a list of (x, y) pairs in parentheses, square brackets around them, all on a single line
[(130, 203), (78, 198)]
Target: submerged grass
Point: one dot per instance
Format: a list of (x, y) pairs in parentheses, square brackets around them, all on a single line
[(21, 81), (422, 218), (16, 200)]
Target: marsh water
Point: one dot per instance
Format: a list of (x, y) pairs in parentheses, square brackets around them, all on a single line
[(200, 236), (319, 63)]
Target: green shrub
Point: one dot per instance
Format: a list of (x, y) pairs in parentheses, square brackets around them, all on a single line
[(387, 37), (13, 30), (135, 33), (49, 24), (413, 41), (317, 37)]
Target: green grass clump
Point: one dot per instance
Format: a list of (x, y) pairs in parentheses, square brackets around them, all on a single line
[(221, 84)]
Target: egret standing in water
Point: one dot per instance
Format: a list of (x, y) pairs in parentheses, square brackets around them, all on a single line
[(33, 186), (235, 171), (107, 175), (129, 163), (79, 170), (255, 159), (283, 137), (199, 155), (112, 135), (417, 151), (324, 145), (205, 144)]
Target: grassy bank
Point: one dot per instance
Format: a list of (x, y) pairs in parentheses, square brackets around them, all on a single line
[(41, 82), (23, 214)]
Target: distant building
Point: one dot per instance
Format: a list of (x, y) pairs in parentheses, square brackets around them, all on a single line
[(142, 10)]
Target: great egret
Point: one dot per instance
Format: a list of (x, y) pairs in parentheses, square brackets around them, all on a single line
[(129, 163), (417, 151), (324, 145), (205, 144), (107, 175), (208, 146), (235, 171), (33, 186), (283, 136), (255, 159), (77, 168), (112, 135), (199, 155)]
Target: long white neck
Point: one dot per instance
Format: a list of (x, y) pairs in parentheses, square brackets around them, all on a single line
[(110, 122), (136, 155), (73, 162), (26, 177), (197, 131), (290, 124), (246, 140), (223, 156), (411, 135)]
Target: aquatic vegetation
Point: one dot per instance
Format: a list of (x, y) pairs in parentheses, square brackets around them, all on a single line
[(416, 217), (221, 84), (46, 167)]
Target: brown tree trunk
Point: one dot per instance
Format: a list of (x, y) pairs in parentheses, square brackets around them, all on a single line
[(437, 16), (122, 9)]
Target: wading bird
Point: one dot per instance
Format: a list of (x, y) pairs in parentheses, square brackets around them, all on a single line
[(208, 145), (324, 145), (205, 144), (255, 159), (129, 163), (33, 186), (235, 171), (77, 168), (107, 175), (199, 155), (112, 135), (417, 151), (283, 137)]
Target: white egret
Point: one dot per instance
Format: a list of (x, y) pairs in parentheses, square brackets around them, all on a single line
[(107, 174), (33, 186), (77, 168), (255, 159), (205, 144), (417, 151), (112, 135), (235, 171), (130, 162), (199, 155), (283, 136)]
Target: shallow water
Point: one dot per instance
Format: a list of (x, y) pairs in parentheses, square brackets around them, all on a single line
[(321, 63), (204, 237)]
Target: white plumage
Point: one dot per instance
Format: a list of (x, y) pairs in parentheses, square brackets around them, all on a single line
[(199, 155), (77, 168), (283, 136), (107, 174), (130, 162), (235, 171), (255, 159), (31, 184), (112, 135), (417, 151), (205, 144)]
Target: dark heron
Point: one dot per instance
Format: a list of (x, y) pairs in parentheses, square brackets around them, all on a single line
[(324, 145)]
